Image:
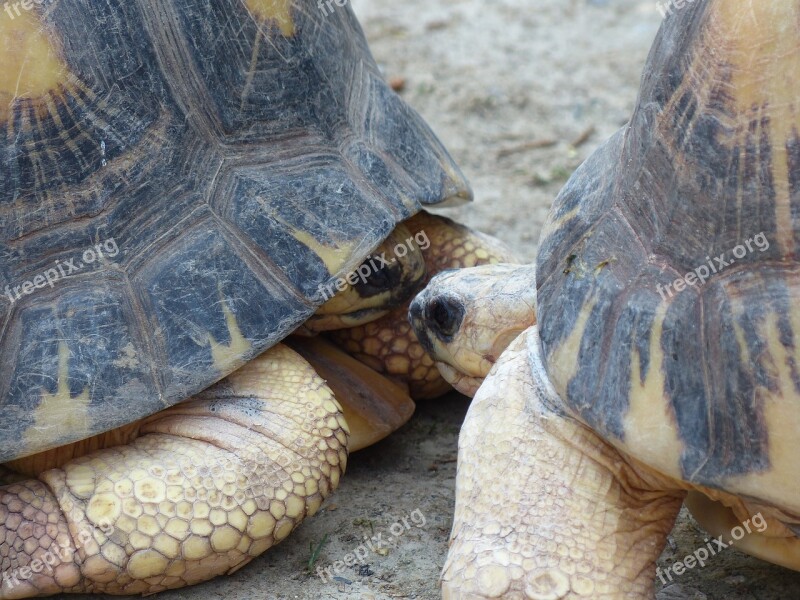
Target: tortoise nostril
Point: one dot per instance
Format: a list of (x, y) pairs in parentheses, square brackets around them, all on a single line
[(444, 315), (415, 311), (416, 316)]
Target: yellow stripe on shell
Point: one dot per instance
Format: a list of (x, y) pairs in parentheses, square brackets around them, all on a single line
[(651, 428), (226, 356), (279, 11), (562, 366), (59, 412)]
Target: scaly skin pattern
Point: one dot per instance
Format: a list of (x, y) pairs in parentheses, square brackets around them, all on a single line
[(209, 485), (545, 509), (389, 345)]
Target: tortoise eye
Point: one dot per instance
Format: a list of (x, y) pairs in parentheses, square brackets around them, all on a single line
[(380, 279), (377, 281), (445, 315)]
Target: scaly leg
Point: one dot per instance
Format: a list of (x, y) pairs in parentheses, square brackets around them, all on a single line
[(546, 509), (207, 486)]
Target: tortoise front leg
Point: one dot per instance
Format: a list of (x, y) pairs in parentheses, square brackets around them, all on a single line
[(545, 509), (209, 485)]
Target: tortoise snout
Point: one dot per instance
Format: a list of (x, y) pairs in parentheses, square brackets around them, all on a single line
[(436, 315)]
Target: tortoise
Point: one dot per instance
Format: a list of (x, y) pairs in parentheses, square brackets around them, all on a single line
[(388, 344), (663, 362), (183, 186)]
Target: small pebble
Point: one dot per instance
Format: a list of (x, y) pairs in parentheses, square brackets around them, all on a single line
[(398, 84)]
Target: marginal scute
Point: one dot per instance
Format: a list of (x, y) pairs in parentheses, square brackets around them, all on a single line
[(564, 361), (772, 484), (650, 421)]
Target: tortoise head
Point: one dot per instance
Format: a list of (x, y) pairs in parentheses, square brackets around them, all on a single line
[(466, 318), (387, 278)]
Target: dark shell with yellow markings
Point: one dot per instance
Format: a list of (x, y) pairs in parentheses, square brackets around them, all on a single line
[(180, 182), (668, 275)]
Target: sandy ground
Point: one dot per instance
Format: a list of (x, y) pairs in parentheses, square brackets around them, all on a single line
[(521, 92)]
